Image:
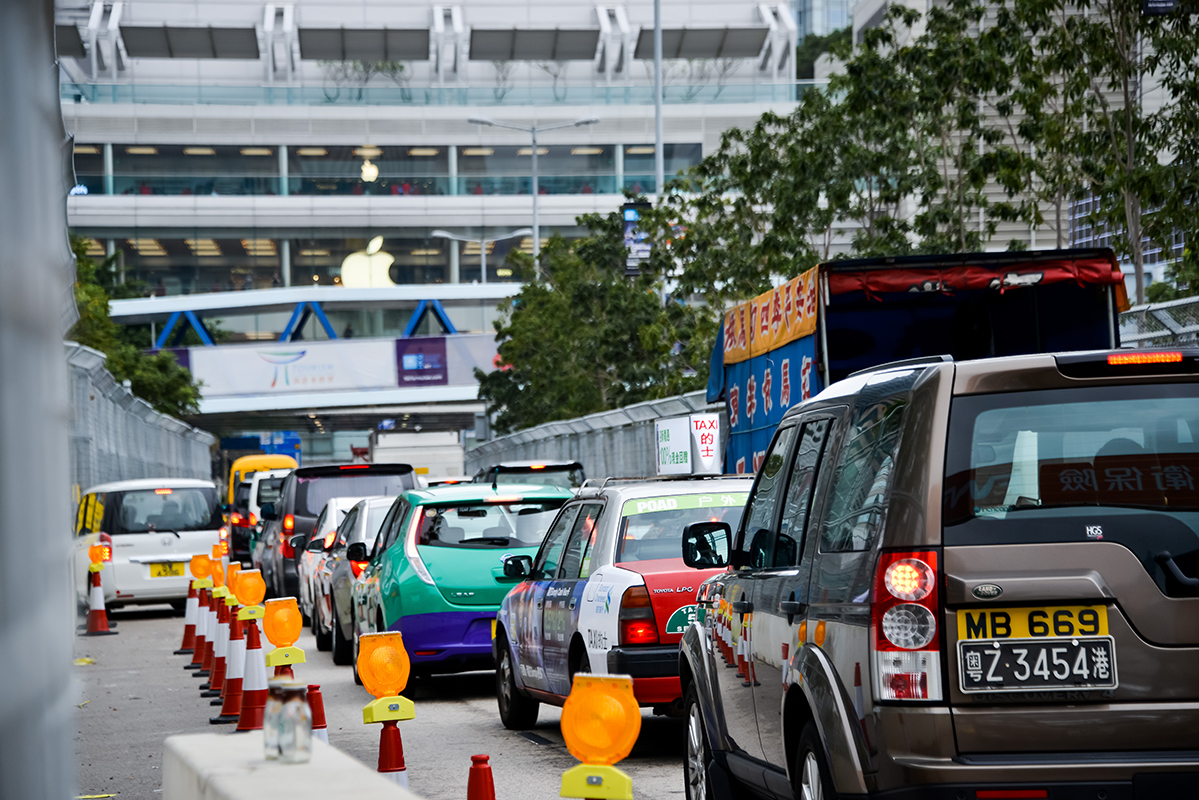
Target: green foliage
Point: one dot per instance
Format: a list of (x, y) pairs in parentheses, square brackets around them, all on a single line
[(1182, 279), (813, 47), (157, 378), (581, 337)]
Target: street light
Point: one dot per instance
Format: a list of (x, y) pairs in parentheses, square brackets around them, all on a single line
[(483, 242), (533, 130)]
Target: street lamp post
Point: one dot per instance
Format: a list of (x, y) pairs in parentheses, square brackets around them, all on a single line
[(482, 242), (533, 130)]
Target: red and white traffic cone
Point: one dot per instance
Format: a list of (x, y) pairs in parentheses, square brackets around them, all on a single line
[(320, 728), (741, 669), (253, 687), (210, 625), (201, 630), (479, 783), (189, 622), (235, 669), (220, 649), (97, 617), (391, 754)]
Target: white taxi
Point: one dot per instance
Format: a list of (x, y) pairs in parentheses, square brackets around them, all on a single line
[(152, 527)]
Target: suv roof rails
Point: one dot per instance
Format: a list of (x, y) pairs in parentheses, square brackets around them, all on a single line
[(602, 483), (907, 362)]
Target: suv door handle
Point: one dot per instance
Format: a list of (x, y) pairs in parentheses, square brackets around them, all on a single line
[(792, 608), (1167, 561), (743, 606)]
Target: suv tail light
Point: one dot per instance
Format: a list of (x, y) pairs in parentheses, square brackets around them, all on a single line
[(357, 566), (105, 541), (236, 519), (224, 533), (286, 549), (253, 519), (289, 523), (903, 622), (636, 620)]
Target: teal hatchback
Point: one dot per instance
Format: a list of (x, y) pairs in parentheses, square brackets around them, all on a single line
[(436, 573)]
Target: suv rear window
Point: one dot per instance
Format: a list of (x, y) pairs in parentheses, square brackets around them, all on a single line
[(241, 495), (313, 491), (268, 490), (486, 524), (652, 527), (1117, 463), (150, 510)]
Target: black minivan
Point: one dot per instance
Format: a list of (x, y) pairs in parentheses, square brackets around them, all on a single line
[(288, 524)]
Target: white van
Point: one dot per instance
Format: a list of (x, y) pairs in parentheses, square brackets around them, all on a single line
[(153, 526)]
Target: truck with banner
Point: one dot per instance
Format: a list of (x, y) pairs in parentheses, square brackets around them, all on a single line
[(785, 345)]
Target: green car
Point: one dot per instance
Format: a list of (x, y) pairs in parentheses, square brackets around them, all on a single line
[(436, 573)]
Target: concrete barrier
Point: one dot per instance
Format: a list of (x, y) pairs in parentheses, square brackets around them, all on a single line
[(220, 766)]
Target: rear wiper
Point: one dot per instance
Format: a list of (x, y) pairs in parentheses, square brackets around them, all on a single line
[(168, 530), (1166, 560)]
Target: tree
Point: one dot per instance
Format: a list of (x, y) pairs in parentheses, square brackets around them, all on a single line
[(814, 46), (582, 337), (157, 378)]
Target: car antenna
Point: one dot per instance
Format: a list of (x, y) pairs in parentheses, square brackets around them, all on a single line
[(495, 479)]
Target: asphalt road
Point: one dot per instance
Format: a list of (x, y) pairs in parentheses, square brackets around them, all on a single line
[(136, 694)]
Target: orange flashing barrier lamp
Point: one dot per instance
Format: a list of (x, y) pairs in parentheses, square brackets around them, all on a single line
[(200, 567), (600, 723), (282, 623), (384, 667), (97, 617), (250, 588)]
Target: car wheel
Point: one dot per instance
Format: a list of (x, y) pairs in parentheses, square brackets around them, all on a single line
[(517, 712), (354, 661), (324, 639), (811, 774), (699, 751), (180, 606), (342, 649)]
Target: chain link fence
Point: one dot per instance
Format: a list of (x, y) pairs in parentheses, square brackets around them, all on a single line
[(1171, 324), (116, 436), (618, 443)]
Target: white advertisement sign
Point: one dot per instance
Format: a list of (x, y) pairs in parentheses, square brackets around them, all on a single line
[(705, 444), (281, 368), (674, 446)]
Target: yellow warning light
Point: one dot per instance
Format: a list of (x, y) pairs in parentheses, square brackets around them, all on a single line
[(216, 552), (231, 576), (282, 621), (250, 588), (217, 574), (199, 567), (383, 663), (601, 719)]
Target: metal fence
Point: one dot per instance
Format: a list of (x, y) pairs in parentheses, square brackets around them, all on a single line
[(607, 444), (116, 436), (1161, 324)]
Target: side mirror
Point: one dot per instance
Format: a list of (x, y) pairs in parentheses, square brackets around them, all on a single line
[(357, 552), (518, 566), (297, 542), (706, 544), (268, 511), (316, 545)]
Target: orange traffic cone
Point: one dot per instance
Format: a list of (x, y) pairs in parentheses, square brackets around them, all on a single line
[(479, 783), (235, 666), (391, 754), (201, 630), (97, 617), (320, 729), (253, 692), (189, 622), (205, 669), (219, 649)]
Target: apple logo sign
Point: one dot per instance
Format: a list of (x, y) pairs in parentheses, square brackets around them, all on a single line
[(367, 269)]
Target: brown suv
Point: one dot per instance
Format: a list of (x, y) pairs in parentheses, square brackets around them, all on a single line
[(970, 580)]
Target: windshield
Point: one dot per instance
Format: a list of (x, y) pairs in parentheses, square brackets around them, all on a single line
[(313, 491), (329, 522), (375, 514), (1108, 463), (652, 527), (550, 476), (192, 509), (487, 524), (268, 490)]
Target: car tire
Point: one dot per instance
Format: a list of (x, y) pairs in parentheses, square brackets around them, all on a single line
[(517, 712), (343, 653), (180, 606), (811, 773), (699, 751), (354, 660), (324, 638)]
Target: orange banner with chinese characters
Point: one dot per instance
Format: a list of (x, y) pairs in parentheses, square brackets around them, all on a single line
[(771, 320)]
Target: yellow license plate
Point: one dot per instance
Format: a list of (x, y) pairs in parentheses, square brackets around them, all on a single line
[(167, 569), (1027, 623)]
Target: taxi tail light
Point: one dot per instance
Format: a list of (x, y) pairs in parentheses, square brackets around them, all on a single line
[(357, 566), (289, 523), (904, 610), (636, 620)]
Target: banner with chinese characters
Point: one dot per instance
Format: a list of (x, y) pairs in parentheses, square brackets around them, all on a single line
[(757, 394), (771, 320)]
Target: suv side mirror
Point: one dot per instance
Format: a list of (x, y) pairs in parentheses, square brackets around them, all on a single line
[(706, 544), (297, 542), (267, 511), (316, 545), (357, 552), (518, 566)]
